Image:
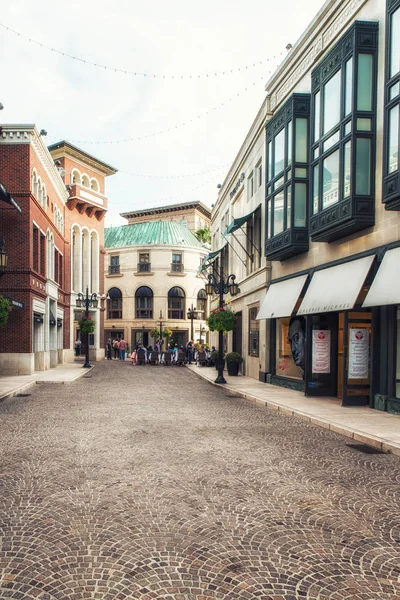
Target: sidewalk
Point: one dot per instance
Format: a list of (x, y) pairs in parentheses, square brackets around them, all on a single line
[(17, 384), (366, 425)]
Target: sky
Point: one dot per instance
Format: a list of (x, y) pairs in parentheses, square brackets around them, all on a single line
[(173, 129)]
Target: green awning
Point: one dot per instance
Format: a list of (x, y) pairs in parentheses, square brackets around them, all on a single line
[(237, 223), (209, 259)]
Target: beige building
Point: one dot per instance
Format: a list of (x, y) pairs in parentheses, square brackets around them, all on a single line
[(152, 275), (331, 194)]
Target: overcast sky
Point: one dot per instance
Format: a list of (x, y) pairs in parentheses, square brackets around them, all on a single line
[(190, 125)]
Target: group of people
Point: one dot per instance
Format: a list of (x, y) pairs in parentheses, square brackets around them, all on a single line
[(116, 347)]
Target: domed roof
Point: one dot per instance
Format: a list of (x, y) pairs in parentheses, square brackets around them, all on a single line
[(150, 233)]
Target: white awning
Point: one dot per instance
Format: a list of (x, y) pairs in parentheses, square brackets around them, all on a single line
[(385, 288), (336, 288), (281, 298)]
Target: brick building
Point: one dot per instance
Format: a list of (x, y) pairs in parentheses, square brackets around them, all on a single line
[(54, 246)]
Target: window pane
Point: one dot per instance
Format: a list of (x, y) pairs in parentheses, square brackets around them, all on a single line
[(347, 170), (301, 140), (395, 43), (279, 152), (269, 214), (315, 189), (394, 91), (347, 128), (364, 124), (363, 166), (288, 206), (331, 141), (289, 143), (300, 173), (177, 258), (288, 174), (317, 115), (278, 183), (300, 200), (332, 102), (349, 87), (330, 180), (393, 154), (316, 152), (269, 161), (278, 213), (364, 82)]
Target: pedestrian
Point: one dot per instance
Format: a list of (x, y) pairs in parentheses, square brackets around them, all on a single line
[(122, 348), (78, 347), (109, 349), (116, 348), (189, 351)]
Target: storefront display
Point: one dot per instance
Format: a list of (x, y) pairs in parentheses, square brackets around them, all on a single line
[(358, 354), (290, 347), (321, 351)]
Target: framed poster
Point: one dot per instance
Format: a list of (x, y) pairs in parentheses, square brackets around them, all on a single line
[(358, 354), (321, 351)]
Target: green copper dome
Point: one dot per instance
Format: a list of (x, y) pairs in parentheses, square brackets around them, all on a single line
[(150, 233)]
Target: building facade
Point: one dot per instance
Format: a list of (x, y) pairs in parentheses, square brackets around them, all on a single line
[(40, 242), (332, 227), (152, 278)]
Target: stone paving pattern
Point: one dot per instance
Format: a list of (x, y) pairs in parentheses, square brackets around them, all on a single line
[(149, 483)]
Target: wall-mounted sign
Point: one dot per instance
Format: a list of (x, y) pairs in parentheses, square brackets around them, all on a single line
[(321, 351), (358, 354), (237, 185)]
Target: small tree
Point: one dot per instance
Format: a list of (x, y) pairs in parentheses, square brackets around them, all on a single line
[(5, 309), (203, 235)]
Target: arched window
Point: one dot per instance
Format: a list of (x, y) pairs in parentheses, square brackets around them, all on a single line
[(76, 177), (85, 180), (114, 304), (176, 303), (94, 185), (34, 183), (202, 304), (144, 303)]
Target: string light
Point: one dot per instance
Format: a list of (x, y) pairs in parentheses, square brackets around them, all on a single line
[(184, 176), (178, 77), (173, 127)]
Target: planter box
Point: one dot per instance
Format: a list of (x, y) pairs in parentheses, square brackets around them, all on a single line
[(393, 406), (380, 402)]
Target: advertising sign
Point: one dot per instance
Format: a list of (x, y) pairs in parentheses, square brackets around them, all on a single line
[(321, 351), (358, 354)]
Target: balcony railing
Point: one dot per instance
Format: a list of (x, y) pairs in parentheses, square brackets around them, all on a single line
[(113, 270), (144, 267), (176, 267)]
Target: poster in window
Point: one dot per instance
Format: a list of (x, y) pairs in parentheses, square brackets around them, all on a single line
[(358, 354), (321, 351)]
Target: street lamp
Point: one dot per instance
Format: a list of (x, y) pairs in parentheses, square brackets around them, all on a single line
[(202, 330), (221, 286), (161, 322), (192, 314), (3, 258), (87, 302)]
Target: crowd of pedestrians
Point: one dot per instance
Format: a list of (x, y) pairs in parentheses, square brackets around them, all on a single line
[(116, 349)]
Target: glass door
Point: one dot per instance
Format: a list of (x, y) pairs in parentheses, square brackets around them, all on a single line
[(321, 355), (356, 377)]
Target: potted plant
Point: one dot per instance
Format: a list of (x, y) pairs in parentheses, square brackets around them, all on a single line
[(5, 309), (215, 357), (221, 319), (233, 360), (155, 334), (86, 325)]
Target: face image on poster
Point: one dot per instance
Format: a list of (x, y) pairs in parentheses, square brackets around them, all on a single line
[(321, 351), (290, 347), (358, 354)]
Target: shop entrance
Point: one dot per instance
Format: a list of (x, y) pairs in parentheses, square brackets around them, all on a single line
[(354, 357)]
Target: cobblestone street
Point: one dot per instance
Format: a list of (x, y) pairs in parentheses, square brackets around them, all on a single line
[(148, 483)]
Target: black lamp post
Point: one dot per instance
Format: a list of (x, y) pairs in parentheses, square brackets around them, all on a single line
[(87, 302), (202, 330), (3, 258), (221, 286), (161, 338), (192, 314)]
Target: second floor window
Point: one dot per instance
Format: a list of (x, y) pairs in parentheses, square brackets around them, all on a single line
[(177, 263), (114, 265), (176, 303), (144, 265), (202, 304)]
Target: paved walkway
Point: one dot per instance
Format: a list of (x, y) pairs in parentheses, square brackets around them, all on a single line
[(148, 483), (373, 427)]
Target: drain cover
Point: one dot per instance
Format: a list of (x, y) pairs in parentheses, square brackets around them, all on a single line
[(22, 395), (365, 448)]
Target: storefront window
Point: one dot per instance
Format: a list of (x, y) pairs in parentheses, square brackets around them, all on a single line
[(254, 332), (290, 347), (398, 356)]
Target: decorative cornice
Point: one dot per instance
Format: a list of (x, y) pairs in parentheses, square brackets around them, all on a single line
[(315, 40), (28, 134)]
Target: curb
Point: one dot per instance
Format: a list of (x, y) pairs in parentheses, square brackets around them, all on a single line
[(358, 436)]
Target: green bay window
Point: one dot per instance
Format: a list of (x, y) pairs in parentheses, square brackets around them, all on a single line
[(343, 118), (391, 171), (287, 179)]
